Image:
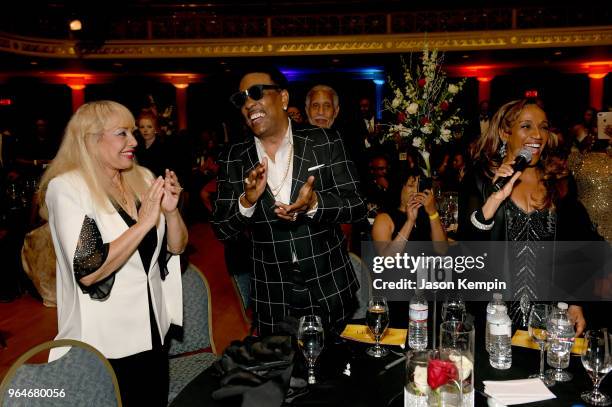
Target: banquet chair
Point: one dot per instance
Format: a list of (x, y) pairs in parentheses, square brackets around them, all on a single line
[(38, 261), (365, 285), (82, 376), (192, 349), (242, 285)]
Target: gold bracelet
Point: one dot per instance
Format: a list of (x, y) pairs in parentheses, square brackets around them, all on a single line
[(434, 216)]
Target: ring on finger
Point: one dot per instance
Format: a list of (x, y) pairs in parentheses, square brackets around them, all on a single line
[(294, 217)]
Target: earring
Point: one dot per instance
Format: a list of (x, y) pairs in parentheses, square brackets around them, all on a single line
[(502, 150)]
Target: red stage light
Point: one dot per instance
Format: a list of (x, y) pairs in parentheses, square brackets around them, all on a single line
[(531, 93), (6, 102)]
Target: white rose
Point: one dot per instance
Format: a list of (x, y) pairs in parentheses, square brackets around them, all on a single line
[(395, 103), (412, 108), (426, 129), (464, 365), (420, 378), (417, 142), (405, 132), (453, 89)]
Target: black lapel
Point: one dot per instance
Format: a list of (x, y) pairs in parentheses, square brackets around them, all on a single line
[(251, 153), (251, 161), (300, 162)]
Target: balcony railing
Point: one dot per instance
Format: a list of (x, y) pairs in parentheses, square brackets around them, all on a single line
[(202, 25)]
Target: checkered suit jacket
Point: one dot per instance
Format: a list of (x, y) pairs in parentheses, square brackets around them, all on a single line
[(318, 243)]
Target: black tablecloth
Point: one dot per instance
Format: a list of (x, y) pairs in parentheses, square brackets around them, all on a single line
[(369, 385)]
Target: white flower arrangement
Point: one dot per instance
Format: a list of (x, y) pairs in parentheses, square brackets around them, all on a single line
[(422, 104)]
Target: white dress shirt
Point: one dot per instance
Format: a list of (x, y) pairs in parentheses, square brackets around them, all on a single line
[(276, 173)]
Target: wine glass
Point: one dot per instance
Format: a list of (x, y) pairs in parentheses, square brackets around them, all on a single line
[(597, 360), (538, 318), (311, 341), (377, 318), (453, 309)]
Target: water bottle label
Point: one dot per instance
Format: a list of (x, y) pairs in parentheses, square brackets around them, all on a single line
[(418, 314), (500, 329)]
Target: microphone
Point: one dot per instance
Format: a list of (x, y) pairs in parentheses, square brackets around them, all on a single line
[(520, 162)]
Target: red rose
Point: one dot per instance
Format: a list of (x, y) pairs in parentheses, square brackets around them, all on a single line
[(401, 117), (422, 82), (440, 372), (424, 120), (444, 106)]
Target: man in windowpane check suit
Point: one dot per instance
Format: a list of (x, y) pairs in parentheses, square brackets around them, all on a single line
[(292, 189)]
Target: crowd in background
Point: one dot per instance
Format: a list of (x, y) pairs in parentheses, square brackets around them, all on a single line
[(193, 156)]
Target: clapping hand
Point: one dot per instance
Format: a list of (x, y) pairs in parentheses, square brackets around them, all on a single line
[(172, 192), (306, 200), (255, 183), (150, 207)]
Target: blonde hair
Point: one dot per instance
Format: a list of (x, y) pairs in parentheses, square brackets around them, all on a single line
[(79, 152)]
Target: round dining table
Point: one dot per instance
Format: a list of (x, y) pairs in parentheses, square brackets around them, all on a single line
[(346, 376)]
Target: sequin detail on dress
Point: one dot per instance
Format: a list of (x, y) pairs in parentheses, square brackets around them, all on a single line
[(89, 256), (526, 230)]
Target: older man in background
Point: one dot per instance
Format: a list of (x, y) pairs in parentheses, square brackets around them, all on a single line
[(322, 106)]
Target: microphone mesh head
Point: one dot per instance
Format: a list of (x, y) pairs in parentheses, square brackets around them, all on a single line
[(525, 153)]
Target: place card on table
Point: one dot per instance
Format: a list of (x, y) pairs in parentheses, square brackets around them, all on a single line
[(522, 338), (511, 392), (361, 333)]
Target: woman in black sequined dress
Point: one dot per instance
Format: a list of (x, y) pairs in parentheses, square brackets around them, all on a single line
[(528, 209)]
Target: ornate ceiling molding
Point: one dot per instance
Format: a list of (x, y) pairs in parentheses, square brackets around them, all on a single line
[(363, 44)]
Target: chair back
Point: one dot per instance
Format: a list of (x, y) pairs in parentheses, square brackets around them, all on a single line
[(82, 377), (365, 285), (38, 261), (196, 331)]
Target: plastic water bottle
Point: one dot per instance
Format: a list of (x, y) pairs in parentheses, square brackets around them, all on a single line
[(561, 338), (417, 327), (500, 329), (491, 307)]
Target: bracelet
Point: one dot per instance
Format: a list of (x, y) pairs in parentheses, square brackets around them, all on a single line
[(402, 236), (435, 216), (246, 199), (479, 225)]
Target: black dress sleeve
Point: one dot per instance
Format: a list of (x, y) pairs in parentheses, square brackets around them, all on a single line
[(89, 256)]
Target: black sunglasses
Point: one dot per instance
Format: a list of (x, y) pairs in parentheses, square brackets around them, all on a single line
[(255, 92)]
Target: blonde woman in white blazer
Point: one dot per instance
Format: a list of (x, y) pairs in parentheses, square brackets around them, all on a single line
[(117, 234)]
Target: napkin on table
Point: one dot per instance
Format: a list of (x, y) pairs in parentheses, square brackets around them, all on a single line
[(511, 392), (361, 333)]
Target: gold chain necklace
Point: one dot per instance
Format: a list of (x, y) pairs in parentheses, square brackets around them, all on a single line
[(276, 190)]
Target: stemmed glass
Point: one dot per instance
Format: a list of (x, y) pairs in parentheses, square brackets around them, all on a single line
[(377, 318), (311, 341), (453, 309), (538, 317), (597, 361)]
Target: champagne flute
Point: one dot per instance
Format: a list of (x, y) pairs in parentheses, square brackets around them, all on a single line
[(311, 341), (538, 318), (377, 318), (597, 360)]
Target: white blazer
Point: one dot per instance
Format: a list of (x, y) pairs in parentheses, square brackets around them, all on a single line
[(117, 326)]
